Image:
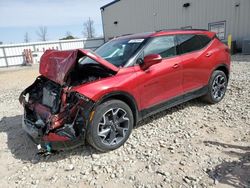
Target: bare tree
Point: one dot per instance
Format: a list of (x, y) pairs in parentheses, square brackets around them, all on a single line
[(68, 36), (89, 30), (42, 33), (68, 33), (26, 37)]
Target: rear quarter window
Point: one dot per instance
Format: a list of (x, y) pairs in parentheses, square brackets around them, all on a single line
[(188, 43), (205, 40), (191, 43)]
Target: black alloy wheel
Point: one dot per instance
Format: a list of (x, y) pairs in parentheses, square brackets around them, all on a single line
[(217, 87), (111, 126)]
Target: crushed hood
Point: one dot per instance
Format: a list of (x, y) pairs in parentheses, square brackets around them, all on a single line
[(56, 65)]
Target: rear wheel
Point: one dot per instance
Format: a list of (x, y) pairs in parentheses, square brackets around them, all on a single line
[(111, 125), (217, 87)]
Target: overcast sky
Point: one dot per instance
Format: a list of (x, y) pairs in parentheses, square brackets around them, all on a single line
[(60, 16)]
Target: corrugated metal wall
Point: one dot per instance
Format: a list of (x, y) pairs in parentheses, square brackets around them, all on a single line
[(12, 54), (135, 16)]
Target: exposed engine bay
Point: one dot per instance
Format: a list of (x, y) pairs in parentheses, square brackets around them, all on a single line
[(55, 114), (87, 73), (52, 111)]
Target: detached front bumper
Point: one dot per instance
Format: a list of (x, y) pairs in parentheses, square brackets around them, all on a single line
[(30, 129), (51, 140), (56, 130)]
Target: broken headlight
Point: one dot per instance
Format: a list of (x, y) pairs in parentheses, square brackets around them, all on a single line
[(82, 97), (75, 97)]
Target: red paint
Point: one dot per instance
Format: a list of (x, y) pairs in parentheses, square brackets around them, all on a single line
[(165, 80), (159, 81), (150, 60), (56, 65), (53, 137)]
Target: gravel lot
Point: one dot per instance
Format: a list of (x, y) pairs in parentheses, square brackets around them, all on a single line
[(191, 145)]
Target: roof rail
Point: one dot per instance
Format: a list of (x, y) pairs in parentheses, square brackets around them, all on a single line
[(167, 30), (195, 29), (123, 35), (182, 29), (126, 34)]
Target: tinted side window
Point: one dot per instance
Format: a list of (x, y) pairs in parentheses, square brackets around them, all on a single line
[(204, 40), (165, 46), (188, 43)]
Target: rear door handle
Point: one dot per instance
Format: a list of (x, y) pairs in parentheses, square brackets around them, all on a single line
[(175, 66), (209, 54)]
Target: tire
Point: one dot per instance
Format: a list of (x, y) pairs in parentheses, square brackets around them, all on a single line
[(111, 125), (217, 87)]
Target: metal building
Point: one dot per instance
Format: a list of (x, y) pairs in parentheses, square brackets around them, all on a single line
[(221, 16)]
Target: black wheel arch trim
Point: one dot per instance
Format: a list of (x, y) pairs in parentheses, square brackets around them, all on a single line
[(222, 65), (125, 97)]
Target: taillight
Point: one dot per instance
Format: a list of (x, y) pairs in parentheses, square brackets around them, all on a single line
[(228, 50)]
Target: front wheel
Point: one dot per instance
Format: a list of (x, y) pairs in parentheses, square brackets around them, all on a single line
[(217, 87), (111, 125)]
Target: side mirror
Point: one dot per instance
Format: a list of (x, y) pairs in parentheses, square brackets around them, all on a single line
[(150, 60)]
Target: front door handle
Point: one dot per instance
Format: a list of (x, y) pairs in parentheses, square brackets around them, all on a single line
[(175, 66)]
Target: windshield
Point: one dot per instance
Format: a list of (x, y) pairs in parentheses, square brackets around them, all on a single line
[(116, 52)]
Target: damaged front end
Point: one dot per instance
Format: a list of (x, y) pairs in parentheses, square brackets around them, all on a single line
[(55, 117)]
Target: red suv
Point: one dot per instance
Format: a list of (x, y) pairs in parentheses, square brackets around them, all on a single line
[(102, 95)]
